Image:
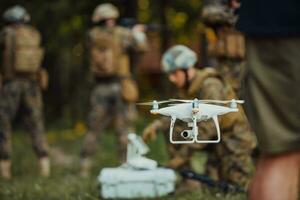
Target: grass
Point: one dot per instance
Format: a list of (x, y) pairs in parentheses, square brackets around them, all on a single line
[(65, 182)]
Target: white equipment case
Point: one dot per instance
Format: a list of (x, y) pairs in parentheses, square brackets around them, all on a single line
[(132, 183), (139, 177)]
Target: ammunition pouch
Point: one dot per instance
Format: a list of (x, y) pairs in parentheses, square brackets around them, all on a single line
[(43, 79), (230, 44), (129, 90)]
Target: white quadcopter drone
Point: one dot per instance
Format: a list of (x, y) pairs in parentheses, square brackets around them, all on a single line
[(191, 112)]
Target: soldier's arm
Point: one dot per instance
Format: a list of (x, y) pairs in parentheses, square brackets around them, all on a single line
[(159, 125), (135, 40), (140, 38)]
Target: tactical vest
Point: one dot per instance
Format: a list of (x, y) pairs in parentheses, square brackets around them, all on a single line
[(124, 38), (228, 120), (104, 51), (22, 51)]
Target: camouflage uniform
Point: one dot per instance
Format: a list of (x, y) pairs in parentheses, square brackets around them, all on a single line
[(228, 160), (225, 44), (26, 94), (107, 99), (19, 90), (229, 51), (106, 104)]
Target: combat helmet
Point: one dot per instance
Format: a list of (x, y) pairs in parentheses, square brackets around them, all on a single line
[(16, 14), (178, 57), (217, 12), (105, 11)]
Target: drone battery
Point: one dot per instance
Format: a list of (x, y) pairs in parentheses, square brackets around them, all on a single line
[(127, 183)]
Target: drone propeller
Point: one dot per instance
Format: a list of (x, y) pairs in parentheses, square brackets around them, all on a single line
[(174, 104), (210, 101), (223, 102), (150, 103)]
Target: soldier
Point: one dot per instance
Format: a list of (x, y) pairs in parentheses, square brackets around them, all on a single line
[(225, 43), (229, 160), (108, 45), (22, 81)]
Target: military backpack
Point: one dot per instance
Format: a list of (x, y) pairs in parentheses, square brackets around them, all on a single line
[(24, 43), (104, 53)]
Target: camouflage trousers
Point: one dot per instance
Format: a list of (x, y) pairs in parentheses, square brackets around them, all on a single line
[(26, 95), (230, 160), (131, 116), (107, 105)]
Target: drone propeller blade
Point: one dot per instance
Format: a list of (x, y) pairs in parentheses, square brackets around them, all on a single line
[(150, 103), (174, 104), (145, 104), (181, 100), (222, 102)]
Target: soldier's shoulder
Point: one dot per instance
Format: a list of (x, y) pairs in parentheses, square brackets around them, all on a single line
[(122, 31), (212, 81), (93, 29), (210, 75), (208, 71), (28, 27), (95, 32)]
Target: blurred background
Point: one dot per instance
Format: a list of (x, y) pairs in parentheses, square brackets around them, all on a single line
[(63, 25)]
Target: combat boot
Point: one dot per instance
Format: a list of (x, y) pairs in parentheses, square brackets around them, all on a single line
[(5, 169), (85, 167), (44, 166)]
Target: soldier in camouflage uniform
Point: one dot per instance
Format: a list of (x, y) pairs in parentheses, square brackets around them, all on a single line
[(225, 43), (229, 160), (21, 87), (108, 45)]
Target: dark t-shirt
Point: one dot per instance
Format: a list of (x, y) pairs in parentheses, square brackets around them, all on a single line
[(269, 17)]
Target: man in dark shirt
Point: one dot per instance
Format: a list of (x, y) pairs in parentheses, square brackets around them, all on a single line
[(271, 88)]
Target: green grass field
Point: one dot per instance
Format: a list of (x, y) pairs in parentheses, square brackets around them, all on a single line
[(65, 182)]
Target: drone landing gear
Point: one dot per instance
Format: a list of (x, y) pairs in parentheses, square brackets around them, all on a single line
[(191, 136), (215, 119), (173, 120)]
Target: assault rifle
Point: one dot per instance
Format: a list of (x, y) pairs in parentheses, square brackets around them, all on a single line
[(222, 185)]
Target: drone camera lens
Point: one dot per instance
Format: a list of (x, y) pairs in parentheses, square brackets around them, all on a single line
[(185, 134)]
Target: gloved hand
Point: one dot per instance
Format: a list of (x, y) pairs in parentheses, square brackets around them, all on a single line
[(150, 132)]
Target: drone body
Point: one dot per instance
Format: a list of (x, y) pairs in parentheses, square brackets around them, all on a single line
[(191, 112)]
